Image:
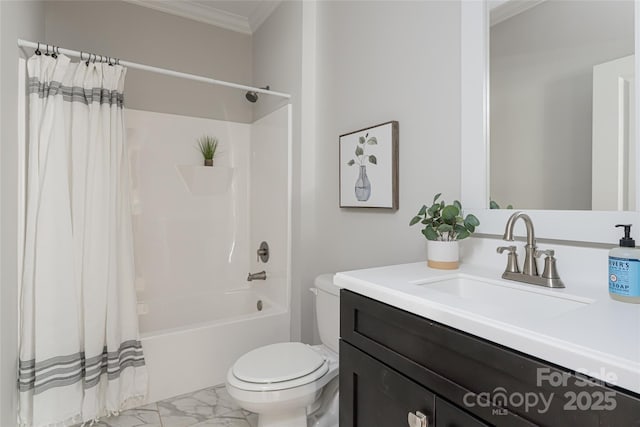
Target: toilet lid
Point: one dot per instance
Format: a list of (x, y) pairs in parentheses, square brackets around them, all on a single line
[(277, 362)]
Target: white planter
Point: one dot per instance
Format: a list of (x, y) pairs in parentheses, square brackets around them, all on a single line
[(443, 255)]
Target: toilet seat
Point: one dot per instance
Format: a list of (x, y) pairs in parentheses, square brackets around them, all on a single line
[(278, 367)]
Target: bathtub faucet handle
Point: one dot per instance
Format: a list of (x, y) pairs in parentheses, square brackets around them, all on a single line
[(263, 252), (262, 275)]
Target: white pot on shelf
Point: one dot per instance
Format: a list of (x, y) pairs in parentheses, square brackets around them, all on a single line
[(443, 255)]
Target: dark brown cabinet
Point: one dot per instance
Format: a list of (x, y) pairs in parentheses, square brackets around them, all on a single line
[(452, 416), (394, 363), (380, 395)]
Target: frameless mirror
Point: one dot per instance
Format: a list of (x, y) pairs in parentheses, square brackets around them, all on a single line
[(561, 108)]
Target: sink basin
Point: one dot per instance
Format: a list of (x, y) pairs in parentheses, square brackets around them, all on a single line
[(507, 299)]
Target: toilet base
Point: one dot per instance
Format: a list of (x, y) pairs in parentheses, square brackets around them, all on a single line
[(291, 418)]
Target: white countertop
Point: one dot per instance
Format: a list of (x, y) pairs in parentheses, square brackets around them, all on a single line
[(601, 338)]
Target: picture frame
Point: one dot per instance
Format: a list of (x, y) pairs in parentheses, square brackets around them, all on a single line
[(368, 167)]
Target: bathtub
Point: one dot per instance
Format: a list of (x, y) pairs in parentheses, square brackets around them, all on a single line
[(190, 342)]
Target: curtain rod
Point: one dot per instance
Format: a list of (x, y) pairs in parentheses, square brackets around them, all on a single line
[(76, 54)]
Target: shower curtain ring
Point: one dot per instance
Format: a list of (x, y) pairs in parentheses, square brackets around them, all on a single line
[(54, 55), (38, 50), (47, 52)]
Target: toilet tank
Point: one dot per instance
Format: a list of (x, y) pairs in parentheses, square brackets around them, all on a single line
[(328, 310)]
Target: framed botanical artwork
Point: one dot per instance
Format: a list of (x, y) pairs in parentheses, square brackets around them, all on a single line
[(369, 167)]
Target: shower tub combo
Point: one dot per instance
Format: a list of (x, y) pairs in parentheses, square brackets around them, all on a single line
[(195, 237)]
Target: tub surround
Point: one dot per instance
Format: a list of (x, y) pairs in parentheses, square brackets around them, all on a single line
[(599, 337), (195, 244)]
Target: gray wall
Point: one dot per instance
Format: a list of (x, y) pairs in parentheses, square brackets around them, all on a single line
[(154, 38), (378, 61), (541, 99), (364, 62), (18, 19), (276, 57)]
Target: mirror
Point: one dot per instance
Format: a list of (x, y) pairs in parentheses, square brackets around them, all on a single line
[(561, 110), (588, 226)]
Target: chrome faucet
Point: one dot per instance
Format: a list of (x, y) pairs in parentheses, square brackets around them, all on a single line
[(549, 278), (262, 275)]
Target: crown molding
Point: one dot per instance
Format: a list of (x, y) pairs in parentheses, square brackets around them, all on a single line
[(507, 9), (200, 13), (262, 12)]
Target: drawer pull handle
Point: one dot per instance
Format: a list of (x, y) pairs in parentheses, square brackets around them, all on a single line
[(418, 419)]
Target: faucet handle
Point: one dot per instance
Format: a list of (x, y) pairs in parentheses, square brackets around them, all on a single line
[(549, 253), (263, 252), (512, 258), (550, 273)]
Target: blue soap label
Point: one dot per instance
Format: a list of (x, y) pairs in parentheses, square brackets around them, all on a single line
[(624, 276)]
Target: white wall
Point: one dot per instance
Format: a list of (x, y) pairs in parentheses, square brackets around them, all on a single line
[(18, 19), (541, 99), (155, 38), (378, 61)]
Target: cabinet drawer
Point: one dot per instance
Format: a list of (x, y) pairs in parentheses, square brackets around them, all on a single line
[(377, 395), (448, 415), (453, 364)]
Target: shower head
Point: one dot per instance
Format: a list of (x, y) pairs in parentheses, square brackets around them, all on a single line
[(253, 96)]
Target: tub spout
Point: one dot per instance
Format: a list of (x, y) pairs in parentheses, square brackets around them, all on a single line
[(262, 275)]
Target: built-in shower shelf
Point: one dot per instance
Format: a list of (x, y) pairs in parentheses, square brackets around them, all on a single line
[(205, 180)]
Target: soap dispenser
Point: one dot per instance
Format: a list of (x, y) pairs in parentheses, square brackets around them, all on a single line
[(624, 269)]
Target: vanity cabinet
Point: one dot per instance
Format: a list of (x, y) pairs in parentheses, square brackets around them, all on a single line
[(393, 363), (381, 396)]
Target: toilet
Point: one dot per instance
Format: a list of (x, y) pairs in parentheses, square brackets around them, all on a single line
[(293, 384)]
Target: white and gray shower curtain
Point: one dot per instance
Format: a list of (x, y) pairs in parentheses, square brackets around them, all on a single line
[(80, 353)]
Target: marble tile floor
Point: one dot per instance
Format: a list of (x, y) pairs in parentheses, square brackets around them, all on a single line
[(211, 407)]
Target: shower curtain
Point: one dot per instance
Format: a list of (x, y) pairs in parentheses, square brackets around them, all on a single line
[(80, 354)]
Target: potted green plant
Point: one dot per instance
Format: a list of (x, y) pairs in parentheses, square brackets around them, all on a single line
[(208, 146), (444, 227)]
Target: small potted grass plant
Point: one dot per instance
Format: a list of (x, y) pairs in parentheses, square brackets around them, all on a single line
[(208, 146), (444, 227)]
